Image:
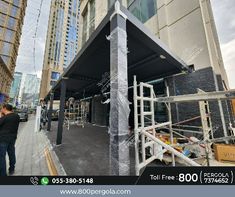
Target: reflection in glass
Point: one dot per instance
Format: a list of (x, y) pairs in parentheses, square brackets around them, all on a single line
[(84, 32), (6, 48), (4, 7), (2, 19), (11, 23), (143, 10), (16, 2), (9, 35), (92, 17), (110, 3), (5, 59), (14, 11), (55, 75)]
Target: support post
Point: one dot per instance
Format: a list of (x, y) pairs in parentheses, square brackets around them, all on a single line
[(170, 120), (119, 104), (137, 160), (50, 111), (61, 113)]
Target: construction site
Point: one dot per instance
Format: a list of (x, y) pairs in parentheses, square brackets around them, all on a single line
[(128, 102)]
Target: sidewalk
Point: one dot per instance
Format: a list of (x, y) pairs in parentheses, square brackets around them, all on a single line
[(30, 157)]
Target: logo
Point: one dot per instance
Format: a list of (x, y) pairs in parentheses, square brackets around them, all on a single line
[(44, 181)]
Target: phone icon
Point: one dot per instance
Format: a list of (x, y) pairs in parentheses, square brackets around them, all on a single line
[(34, 180), (44, 181)]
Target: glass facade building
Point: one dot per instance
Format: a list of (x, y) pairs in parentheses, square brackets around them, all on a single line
[(11, 20), (64, 14), (15, 87)]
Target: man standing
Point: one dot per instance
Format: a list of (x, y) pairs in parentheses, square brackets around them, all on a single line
[(9, 123), (43, 119)]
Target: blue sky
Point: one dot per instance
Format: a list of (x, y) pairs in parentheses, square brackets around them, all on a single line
[(224, 13)]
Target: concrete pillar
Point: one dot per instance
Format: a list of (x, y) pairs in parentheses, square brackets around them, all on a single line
[(61, 113), (50, 111), (119, 104)]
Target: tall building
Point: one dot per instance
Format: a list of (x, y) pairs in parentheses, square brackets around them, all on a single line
[(15, 87), (12, 14), (29, 90), (62, 41), (186, 27)]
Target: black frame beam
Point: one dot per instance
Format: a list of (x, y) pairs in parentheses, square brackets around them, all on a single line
[(50, 111), (61, 112)]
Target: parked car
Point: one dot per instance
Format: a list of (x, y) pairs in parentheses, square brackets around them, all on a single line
[(23, 114), (55, 115)]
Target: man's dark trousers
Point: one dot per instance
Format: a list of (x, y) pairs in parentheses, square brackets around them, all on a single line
[(7, 147)]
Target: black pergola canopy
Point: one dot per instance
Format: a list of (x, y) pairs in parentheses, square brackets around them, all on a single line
[(148, 59)]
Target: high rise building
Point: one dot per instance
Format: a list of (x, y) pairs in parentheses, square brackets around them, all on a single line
[(12, 14), (15, 87), (29, 90), (186, 27), (62, 41)]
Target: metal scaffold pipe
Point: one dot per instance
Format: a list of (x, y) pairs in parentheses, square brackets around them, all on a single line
[(169, 148)]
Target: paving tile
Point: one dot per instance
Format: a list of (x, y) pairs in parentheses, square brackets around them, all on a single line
[(29, 151)]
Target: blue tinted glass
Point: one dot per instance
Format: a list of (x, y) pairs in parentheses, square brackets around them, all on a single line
[(14, 11), (55, 75), (9, 35), (11, 23)]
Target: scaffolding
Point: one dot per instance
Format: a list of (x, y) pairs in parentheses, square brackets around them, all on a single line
[(145, 134), (148, 145), (76, 114)]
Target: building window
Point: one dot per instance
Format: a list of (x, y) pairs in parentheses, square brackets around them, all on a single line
[(55, 75), (143, 10), (84, 30), (6, 48), (15, 11), (5, 59), (11, 23), (92, 17), (9, 35), (4, 7), (52, 83), (16, 2), (1, 32), (2, 19), (110, 3)]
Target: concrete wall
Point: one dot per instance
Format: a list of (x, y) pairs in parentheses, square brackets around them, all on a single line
[(181, 27)]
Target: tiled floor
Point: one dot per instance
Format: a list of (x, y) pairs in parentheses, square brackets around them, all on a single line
[(30, 145), (84, 151)]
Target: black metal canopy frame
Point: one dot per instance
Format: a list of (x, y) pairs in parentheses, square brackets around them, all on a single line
[(124, 47)]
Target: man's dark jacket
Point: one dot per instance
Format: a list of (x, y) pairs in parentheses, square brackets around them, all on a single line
[(9, 125)]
